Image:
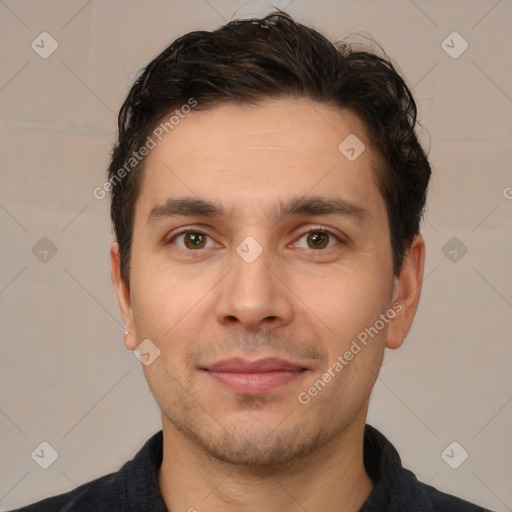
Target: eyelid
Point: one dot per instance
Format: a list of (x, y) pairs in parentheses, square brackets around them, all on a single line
[(189, 229), (321, 229)]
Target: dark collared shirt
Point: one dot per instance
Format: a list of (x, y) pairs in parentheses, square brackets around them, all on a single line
[(135, 486)]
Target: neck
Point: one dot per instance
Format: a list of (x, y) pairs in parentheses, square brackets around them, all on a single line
[(332, 478)]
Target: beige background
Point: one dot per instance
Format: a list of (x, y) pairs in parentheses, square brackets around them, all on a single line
[(65, 376)]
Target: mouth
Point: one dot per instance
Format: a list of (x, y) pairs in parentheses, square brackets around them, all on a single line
[(254, 377)]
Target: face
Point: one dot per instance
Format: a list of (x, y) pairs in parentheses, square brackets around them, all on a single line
[(260, 253)]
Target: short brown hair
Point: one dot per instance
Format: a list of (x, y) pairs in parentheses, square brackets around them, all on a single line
[(247, 61)]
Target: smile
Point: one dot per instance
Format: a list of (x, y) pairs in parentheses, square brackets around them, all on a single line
[(254, 378)]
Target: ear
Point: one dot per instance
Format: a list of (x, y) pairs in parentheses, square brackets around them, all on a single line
[(123, 296), (406, 293)]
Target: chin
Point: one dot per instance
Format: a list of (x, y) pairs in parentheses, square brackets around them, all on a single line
[(261, 449)]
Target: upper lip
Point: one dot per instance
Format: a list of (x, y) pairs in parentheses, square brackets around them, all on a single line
[(239, 365)]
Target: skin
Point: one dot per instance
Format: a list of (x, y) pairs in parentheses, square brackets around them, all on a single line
[(226, 451)]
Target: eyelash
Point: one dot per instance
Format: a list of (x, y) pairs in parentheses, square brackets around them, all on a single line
[(316, 229)]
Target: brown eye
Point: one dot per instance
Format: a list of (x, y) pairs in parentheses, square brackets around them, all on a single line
[(194, 240), (317, 240)]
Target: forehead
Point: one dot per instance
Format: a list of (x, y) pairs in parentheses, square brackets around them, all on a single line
[(250, 158)]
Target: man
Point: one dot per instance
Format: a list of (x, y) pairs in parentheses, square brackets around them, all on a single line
[(267, 188)]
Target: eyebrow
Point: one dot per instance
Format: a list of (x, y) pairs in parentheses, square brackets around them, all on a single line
[(310, 205), (186, 207), (318, 205)]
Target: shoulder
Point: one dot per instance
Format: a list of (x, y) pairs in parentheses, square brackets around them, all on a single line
[(133, 487), (406, 492), (397, 488), (96, 495), (438, 501)]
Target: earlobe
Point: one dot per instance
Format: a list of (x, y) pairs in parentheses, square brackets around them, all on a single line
[(123, 297), (130, 341), (406, 293)]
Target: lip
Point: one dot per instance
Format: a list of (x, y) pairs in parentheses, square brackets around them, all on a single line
[(254, 377)]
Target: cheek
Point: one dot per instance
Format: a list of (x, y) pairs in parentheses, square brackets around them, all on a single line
[(344, 303), (162, 300), (169, 310)]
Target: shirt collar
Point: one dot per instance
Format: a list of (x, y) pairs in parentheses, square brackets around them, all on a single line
[(395, 487)]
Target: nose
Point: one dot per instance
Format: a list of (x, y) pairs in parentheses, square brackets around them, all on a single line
[(253, 295)]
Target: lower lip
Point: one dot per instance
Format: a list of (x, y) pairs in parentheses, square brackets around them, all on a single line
[(254, 383)]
